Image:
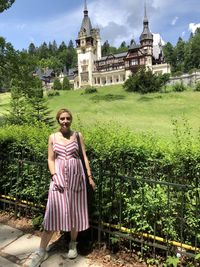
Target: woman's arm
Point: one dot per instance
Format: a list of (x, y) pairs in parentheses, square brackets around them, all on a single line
[(91, 181), (51, 159)]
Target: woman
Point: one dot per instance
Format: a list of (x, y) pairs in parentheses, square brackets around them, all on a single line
[(66, 208)]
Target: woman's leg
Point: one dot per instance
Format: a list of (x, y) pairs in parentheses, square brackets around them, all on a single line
[(72, 253), (73, 234), (46, 237), (40, 255)]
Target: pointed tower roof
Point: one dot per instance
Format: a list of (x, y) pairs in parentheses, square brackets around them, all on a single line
[(146, 34), (86, 25)]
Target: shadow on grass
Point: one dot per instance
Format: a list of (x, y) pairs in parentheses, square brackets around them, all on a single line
[(149, 98), (108, 97)]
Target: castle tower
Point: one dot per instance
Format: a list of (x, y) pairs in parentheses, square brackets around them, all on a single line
[(88, 47), (146, 41)]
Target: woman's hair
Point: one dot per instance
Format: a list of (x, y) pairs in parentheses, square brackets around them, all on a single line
[(62, 110)]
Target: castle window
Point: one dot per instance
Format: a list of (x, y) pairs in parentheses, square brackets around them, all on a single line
[(134, 62)]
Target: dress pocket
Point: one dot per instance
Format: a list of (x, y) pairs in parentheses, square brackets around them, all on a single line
[(76, 182)]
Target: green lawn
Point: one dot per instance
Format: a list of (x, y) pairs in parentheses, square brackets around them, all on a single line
[(151, 112), (4, 102), (140, 113)]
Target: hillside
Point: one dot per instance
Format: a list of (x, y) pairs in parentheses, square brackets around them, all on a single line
[(151, 112), (140, 113)]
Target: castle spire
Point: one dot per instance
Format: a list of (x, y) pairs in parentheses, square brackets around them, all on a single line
[(85, 8), (145, 11), (85, 5), (86, 25), (146, 34)]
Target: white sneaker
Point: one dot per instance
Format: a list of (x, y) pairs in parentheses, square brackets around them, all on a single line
[(72, 253), (38, 258)]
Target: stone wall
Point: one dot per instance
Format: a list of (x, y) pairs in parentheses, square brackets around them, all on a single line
[(186, 79)]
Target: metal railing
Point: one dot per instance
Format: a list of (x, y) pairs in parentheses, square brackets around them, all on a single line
[(153, 215)]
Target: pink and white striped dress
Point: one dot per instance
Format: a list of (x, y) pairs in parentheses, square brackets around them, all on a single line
[(67, 209)]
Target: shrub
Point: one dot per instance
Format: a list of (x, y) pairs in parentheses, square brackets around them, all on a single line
[(178, 87), (66, 84), (177, 73), (52, 93), (90, 90), (145, 81), (197, 86), (57, 84)]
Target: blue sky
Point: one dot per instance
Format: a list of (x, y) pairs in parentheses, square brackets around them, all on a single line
[(41, 21)]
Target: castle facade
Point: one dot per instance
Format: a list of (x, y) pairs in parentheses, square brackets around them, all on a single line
[(95, 70)]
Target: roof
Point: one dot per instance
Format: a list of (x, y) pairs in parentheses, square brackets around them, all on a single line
[(146, 34), (134, 46), (86, 25), (123, 54)]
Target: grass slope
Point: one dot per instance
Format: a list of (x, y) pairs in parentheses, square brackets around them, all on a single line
[(141, 113)]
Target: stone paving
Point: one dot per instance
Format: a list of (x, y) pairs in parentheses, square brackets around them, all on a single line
[(16, 249)]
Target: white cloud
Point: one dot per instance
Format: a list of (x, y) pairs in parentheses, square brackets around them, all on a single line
[(174, 20), (193, 27)]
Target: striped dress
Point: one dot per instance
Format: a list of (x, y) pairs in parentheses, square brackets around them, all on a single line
[(68, 208)]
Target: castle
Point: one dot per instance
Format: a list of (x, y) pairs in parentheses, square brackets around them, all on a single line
[(95, 70)]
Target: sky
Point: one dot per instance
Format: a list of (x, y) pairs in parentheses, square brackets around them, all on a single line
[(38, 21)]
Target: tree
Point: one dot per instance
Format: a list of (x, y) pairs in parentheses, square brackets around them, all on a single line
[(180, 53), (31, 49), (170, 55), (8, 63), (195, 49), (144, 81), (62, 47), (43, 51), (5, 4), (105, 48), (123, 47), (66, 84), (57, 84)]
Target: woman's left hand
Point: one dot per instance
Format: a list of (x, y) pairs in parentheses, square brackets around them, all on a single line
[(92, 183)]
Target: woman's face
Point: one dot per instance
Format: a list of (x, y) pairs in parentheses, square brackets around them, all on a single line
[(65, 121)]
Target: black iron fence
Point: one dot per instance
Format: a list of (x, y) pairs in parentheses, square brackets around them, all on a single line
[(157, 215), (154, 215)]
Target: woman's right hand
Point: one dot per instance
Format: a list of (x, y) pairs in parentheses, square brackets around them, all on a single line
[(58, 184)]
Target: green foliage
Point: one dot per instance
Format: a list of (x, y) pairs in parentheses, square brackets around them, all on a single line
[(37, 221), (90, 90), (179, 87), (5, 4), (57, 84), (177, 73), (8, 64), (115, 151), (184, 56), (144, 81), (66, 84), (51, 93), (172, 261), (197, 257), (197, 86), (28, 108)]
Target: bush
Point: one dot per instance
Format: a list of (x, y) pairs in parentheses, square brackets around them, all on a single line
[(57, 84), (177, 73), (113, 150), (90, 90), (52, 93), (66, 84), (178, 87), (197, 86), (145, 81)]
